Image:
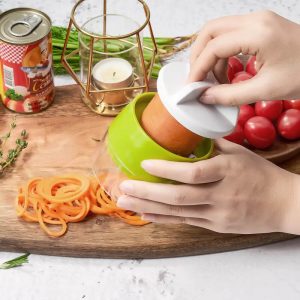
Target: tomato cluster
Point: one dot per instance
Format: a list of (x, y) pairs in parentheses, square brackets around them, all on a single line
[(261, 122)]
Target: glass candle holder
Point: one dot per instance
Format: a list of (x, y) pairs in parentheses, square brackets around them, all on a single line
[(116, 64), (112, 66)]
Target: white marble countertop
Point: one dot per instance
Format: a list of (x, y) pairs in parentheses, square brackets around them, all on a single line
[(268, 272)]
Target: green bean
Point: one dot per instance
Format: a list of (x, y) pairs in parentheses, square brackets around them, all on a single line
[(73, 58), (160, 40)]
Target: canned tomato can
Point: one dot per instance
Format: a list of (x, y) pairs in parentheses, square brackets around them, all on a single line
[(26, 72)]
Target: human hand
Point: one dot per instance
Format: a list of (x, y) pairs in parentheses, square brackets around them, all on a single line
[(274, 41), (234, 192)]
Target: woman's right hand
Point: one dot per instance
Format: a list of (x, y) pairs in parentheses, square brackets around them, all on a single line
[(274, 40)]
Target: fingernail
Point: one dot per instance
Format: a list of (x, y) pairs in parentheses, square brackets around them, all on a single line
[(207, 99), (123, 202), (149, 218), (146, 164), (126, 186)]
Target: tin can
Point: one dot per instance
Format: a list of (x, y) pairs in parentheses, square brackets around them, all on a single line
[(26, 73)]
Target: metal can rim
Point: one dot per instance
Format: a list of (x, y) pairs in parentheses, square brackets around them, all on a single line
[(29, 9)]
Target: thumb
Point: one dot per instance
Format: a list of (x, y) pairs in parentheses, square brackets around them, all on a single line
[(237, 93)]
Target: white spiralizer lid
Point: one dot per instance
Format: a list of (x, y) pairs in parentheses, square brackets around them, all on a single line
[(182, 102)]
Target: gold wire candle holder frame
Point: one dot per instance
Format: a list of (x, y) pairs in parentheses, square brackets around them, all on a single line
[(93, 97)]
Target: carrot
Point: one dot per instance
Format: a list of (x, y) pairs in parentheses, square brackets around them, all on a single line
[(57, 201)]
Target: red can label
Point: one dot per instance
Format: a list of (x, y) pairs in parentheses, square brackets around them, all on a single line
[(26, 76)]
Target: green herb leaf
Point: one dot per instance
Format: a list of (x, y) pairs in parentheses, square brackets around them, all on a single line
[(16, 262), (11, 94), (11, 154), (24, 133)]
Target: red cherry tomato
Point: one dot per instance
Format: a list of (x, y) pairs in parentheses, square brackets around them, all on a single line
[(241, 76), (251, 66), (246, 112), (234, 66), (260, 132), (237, 136), (289, 124), (270, 109), (230, 73), (291, 104)]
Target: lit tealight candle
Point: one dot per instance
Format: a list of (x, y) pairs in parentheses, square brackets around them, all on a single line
[(112, 73)]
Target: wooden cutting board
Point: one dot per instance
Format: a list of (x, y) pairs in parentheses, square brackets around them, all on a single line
[(61, 139)]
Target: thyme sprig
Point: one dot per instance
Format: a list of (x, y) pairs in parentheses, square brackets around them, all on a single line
[(7, 159)]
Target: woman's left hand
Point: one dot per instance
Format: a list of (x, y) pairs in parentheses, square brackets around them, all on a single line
[(234, 192)]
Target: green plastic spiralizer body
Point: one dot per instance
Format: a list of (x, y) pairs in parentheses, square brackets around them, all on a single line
[(128, 143)]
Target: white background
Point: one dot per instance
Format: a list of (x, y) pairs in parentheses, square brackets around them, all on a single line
[(269, 272)]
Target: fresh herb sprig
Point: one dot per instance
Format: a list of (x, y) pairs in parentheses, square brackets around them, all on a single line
[(16, 262), (7, 159)]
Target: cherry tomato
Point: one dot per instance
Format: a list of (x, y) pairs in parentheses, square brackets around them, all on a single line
[(291, 104), (241, 76), (270, 109), (246, 112), (230, 73), (251, 66), (289, 124), (260, 132), (234, 66), (237, 136)]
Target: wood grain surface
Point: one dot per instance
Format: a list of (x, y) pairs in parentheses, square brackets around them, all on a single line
[(61, 140)]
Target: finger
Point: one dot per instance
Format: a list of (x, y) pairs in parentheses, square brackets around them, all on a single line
[(201, 41), (182, 194), (223, 46), (156, 218), (225, 146), (213, 29), (204, 171), (145, 206), (238, 93)]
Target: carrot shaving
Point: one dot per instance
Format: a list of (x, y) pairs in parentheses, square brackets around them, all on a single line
[(59, 200)]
